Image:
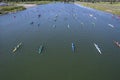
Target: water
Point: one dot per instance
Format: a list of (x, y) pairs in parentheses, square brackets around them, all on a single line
[(57, 61)]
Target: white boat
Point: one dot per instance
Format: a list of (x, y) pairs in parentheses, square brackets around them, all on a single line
[(111, 25), (96, 46), (16, 48), (19, 45)]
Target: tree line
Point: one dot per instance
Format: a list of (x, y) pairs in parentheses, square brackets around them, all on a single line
[(93, 1)]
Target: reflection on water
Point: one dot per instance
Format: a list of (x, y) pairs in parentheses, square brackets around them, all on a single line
[(56, 27)]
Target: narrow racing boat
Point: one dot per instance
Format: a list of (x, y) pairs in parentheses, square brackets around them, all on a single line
[(73, 47), (16, 48), (40, 49), (96, 46)]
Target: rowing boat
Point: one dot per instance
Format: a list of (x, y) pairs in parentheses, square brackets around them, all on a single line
[(40, 49), (96, 46), (16, 48), (19, 45), (73, 47)]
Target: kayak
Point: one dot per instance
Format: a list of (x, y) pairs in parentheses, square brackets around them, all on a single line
[(96, 46), (40, 49), (73, 47)]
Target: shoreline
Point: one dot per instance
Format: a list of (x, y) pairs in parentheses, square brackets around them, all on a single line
[(98, 6), (27, 5), (19, 6), (103, 6)]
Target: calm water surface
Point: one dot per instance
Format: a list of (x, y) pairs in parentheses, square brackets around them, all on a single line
[(57, 61)]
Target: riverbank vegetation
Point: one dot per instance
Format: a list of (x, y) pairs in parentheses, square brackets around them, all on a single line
[(8, 9), (13, 6), (113, 8), (30, 2)]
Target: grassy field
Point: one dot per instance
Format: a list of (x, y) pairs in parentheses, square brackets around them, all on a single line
[(103, 6)]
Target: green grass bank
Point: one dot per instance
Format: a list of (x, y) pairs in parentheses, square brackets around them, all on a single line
[(104, 6), (18, 6)]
